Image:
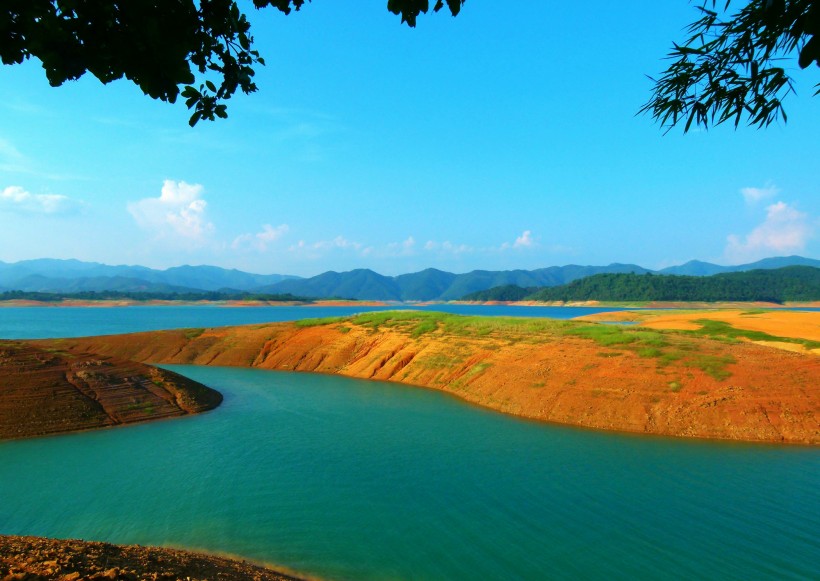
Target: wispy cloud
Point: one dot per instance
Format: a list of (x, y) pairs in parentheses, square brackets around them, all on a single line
[(338, 243), (178, 213), (261, 240), (17, 199), (755, 195), (784, 230), (448, 247), (409, 247)]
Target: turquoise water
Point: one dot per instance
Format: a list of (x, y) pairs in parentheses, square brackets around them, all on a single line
[(349, 479), (44, 322)]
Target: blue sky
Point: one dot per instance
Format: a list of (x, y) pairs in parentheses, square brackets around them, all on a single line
[(498, 139)]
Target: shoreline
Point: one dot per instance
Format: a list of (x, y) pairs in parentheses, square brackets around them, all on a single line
[(398, 304), (46, 559), (626, 379), (48, 392)]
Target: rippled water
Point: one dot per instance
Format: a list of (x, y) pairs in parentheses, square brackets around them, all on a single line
[(348, 479)]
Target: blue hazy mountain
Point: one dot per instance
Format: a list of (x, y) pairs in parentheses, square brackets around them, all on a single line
[(53, 275)]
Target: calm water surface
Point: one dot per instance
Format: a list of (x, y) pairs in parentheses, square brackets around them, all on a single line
[(44, 322), (348, 479), (352, 479)]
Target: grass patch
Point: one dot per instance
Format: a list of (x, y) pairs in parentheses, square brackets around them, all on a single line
[(675, 386), (609, 354), (721, 330), (649, 338), (669, 356), (713, 365), (650, 352), (606, 335), (343, 330), (193, 333), (439, 361), (304, 323), (477, 369)]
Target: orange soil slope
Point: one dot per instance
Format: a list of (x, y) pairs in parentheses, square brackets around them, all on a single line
[(46, 392), (689, 387)]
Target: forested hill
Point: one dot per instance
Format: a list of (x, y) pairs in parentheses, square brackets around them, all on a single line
[(792, 283)]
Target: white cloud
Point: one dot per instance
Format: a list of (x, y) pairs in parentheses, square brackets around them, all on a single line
[(260, 240), (754, 195), (17, 199), (179, 212), (524, 241), (404, 248), (785, 230)]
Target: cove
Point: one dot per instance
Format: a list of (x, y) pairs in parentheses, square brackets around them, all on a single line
[(345, 479)]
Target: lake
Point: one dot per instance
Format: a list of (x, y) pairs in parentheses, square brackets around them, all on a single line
[(351, 479), (49, 322)]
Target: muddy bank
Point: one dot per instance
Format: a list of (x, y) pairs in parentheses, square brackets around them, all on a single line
[(598, 376), (47, 391), (39, 559)]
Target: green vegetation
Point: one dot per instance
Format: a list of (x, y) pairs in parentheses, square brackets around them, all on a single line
[(193, 333), (791, 283), (149, 296), (665, 347), (714, 365), (731, 65), (418, 323), (508, 292), (721, 330)]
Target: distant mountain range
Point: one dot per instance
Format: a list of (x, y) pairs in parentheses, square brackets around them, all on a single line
[(52, 275)]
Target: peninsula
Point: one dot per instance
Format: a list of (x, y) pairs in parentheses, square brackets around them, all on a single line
[(710, 380), (48, 391)]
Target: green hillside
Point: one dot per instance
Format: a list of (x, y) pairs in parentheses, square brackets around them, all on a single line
[(792, 283)]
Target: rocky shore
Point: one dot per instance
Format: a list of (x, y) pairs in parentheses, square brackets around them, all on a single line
[(40, 559), (48, 391)]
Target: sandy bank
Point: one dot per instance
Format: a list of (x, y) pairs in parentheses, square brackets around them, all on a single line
[(47, 391), (39, 559), (792, 324), (598, 376)]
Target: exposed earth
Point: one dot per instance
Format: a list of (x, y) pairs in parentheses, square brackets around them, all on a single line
[(707, 382), (39, 559), (47, 391), (790, 324)]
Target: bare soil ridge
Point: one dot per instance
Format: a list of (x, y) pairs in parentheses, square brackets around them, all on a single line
[(673, 383), (47, 391), (40, 559)]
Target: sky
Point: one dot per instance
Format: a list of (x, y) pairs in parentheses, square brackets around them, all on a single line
[(499, 139)]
